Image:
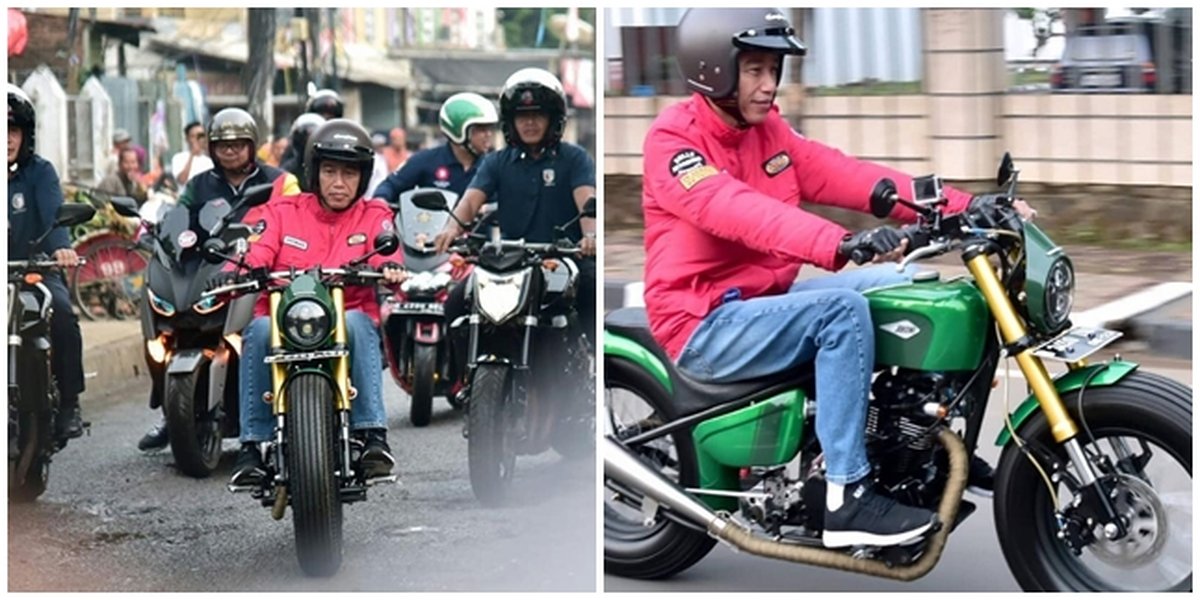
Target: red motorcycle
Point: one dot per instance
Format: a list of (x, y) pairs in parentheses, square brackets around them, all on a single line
[(414, 321)]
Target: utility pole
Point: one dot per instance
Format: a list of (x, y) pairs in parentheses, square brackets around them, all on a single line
[(260, 67)]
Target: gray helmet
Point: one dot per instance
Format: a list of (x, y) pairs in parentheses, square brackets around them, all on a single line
[(708, 41), (341, 140), (232, 124)]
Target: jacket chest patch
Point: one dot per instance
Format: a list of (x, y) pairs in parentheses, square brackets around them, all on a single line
[(548, 177), (18, 202), (776, 164), (295, 242), (357, 239)]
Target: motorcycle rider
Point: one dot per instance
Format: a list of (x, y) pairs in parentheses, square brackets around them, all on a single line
[(724, 176), (34, 195), (232, 136), (326, 103), (339, 159), (293, 158), (539, 181), (469, 121)]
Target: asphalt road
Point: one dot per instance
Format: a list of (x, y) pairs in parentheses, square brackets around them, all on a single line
[(972, 560), (115, 519)]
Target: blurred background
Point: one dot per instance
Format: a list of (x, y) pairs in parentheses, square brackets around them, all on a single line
[(149, 71), (1094, 104)]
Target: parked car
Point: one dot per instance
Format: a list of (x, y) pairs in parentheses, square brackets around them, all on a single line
[(1105, 60)]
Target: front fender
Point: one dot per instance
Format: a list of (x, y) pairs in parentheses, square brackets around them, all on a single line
[(1106, 374), (186, 361), (639, 355)]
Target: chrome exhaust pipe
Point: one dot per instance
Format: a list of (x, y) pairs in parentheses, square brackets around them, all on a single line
[(622, 465)]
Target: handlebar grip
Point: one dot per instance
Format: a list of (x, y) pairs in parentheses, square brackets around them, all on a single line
[(861, 256), (917, 236)]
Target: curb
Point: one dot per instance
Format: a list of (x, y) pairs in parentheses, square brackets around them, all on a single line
[(113, 364), (1132, 315)]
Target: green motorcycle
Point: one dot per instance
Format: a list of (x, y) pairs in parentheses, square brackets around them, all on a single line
[(1092, 489)]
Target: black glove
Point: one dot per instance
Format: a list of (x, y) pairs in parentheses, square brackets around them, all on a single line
[(864, 245), (987, 210), (222, 279)]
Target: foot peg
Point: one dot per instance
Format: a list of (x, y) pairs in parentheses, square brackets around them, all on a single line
[(385, 479), (237, 489)]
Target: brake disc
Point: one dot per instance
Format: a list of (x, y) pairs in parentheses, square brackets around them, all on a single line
[(1139, 504)]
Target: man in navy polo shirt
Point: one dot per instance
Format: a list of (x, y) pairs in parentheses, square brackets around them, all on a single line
[(539, 182), (468, 120)]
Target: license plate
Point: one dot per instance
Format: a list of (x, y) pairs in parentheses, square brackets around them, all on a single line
[(1100, 80), (421, 308), (304, 356), (1077, 344)]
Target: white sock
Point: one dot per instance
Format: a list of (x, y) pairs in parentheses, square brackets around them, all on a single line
[(835, 496)]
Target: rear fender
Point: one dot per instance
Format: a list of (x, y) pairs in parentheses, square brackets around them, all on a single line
[(638, 355)]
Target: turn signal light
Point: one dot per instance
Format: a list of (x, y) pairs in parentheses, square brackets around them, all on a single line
[(33, 278), (457, 261), (157, 350)]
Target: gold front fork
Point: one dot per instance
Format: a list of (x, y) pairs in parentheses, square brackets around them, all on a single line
[(1012, 330), (341, 364), (278, 372)]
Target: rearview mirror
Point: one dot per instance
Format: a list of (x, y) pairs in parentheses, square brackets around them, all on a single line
[(1006, 170), (213, 250), (257, 195), (589, 208), (387, 243), (125, 206), (73, 214), (883, 198), (430, 201)]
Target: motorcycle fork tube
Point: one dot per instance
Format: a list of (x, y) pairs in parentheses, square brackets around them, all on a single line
[(473, 342), (1012, 330), (278, 370), (341, 364), (344, 417)]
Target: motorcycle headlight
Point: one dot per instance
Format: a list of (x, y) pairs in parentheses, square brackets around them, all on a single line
[(306, 324), (1059, 293), (159, 305), (207, 305), (498, 297)]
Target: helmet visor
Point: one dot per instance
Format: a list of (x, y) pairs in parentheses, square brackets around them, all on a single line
[(774, 39)]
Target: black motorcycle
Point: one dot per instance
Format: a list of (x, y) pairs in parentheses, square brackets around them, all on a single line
[(521, 298), (32, 391), (193, 342)]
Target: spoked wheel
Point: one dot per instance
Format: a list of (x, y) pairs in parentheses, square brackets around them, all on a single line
[(1139, 432), (491, 452), (109, 284), (635, 403)]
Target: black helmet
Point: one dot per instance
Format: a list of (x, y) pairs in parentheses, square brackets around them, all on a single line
[(232, 124), (325, 102), (22, 115), (533, 90), (708, 41), (342, 140), (303, 127)]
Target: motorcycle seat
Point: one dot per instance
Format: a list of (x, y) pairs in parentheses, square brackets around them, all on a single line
[(691, 395)]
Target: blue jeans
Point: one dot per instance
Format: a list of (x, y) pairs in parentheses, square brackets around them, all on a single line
[(826, 319), (366, 412)]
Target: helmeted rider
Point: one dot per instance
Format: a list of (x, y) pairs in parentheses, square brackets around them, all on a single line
[(293, 158), (232, 139), (329, 226), (326, 103), (34, 195), (724, 179), (469, 122)]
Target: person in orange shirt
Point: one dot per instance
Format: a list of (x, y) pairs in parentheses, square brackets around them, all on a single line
[(397, 152)]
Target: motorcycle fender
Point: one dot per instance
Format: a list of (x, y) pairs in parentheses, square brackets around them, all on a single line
[(185, 361), (1098, 375), (241, 312), (427, 333), (287, 382), (639, 355), (218, 374)]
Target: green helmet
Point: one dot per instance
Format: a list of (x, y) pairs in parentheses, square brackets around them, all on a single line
[(461, 111)]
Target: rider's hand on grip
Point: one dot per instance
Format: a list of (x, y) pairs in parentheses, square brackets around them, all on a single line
[(222, 279), (447, 236), (863, 246)]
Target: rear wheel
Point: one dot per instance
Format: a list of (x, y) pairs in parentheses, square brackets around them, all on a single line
[(1140, 429), (491, 455), (424, 369), (195, 433), (311, 454), (634, 403)]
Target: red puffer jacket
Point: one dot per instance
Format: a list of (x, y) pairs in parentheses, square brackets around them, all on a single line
[(721, 207)]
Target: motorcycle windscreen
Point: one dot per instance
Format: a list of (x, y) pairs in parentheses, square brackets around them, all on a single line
[(418, 227)]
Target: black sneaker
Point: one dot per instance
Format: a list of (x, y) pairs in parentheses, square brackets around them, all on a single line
[(156, 438), (249, 469), (69, 424), (377, 459), (868, 519), (980, 478)]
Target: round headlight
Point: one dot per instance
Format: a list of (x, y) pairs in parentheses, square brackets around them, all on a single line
[(306, 323), (1060, 293)]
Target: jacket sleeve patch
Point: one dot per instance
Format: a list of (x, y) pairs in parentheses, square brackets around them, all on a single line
[(686, 160), (689, 179)]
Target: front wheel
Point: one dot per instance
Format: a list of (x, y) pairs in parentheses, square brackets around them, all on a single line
[(1141, 430), (195, 433), (312, 461), (33, 460), (424, 359), (491, 455)]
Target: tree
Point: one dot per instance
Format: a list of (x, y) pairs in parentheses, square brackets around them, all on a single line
[(260, 66)]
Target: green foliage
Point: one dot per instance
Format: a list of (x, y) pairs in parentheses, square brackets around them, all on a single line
[(521, 25), (1024, 13), (869, 88)]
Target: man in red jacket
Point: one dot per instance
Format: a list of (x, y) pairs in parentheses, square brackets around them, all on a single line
[(328, 228), (724, 176)]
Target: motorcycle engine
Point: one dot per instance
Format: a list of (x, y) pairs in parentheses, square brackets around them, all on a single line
[(900, 443)]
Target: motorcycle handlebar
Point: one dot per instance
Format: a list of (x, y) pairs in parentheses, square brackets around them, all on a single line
[(28, 265), (916, 235), (258, 282)]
